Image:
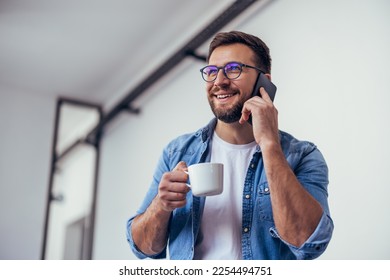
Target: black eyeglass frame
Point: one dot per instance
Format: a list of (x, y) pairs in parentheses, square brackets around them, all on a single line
[(224, 72)]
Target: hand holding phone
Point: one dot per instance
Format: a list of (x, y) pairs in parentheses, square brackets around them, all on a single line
[(270, 88)]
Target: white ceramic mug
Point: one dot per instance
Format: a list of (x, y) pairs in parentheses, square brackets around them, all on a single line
[(206, 178)]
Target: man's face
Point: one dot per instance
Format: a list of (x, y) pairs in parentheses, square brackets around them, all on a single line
[(227, 97)]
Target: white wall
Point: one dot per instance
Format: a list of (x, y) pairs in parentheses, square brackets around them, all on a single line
[(330, 62), (26, 125)]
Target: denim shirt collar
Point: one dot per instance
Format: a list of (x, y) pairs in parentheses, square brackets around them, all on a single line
[(208, 130)]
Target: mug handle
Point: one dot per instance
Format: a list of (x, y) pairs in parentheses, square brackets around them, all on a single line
[(186, 172)]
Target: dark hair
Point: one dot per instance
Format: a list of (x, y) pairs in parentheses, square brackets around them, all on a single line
[(262, 57)]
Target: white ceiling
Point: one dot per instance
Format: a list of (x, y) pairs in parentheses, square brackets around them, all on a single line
[(91, 49)]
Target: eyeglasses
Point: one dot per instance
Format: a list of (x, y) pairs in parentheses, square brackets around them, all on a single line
[(231, 70)]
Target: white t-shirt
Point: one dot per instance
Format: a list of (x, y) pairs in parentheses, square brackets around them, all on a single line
[(220, 230)]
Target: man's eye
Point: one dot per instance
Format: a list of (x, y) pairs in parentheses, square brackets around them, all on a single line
[(211, 72), (233, 68)]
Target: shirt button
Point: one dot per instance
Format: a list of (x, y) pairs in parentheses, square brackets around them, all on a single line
[(252, 165), (266, 189), (246, 229), (248, 196)]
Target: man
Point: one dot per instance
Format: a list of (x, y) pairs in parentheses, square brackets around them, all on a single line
[(274, 204)]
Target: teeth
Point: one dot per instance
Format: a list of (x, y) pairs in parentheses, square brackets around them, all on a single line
[(224, 96)]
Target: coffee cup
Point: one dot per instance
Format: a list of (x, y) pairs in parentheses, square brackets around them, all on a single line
[(206, 179)]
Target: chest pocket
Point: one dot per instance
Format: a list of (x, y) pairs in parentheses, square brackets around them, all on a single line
[(263, 203)]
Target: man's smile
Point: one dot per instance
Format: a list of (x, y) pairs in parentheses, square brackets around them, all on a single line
[(223, 96)]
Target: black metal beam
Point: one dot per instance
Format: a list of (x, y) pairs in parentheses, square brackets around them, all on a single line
[(78, 102), (55, 159), (92, 217), (51, 178)]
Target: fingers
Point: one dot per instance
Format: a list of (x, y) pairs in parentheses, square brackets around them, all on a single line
[(181, 166), (174, 182), (174, 192), (253, 103), (264, 94), (173, 189), (173, 195), (244, 115), (249, 106)]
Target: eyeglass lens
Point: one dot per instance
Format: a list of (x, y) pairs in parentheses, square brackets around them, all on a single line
[(231, 70)]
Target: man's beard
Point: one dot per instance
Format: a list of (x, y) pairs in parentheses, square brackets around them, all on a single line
[(230, 115)]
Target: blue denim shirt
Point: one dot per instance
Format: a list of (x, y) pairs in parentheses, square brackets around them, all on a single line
[(260, 239)]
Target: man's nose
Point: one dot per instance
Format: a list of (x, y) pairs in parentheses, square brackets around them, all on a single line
[(221, 78)]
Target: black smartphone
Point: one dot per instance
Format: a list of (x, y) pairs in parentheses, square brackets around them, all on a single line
[(270, 88), (263, 81)]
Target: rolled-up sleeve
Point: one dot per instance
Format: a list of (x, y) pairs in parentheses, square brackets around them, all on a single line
[(317, 242), (312, 172), (137, 252)]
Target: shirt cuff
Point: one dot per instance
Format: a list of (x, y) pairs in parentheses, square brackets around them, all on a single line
[(137, 252), (317, 242)]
